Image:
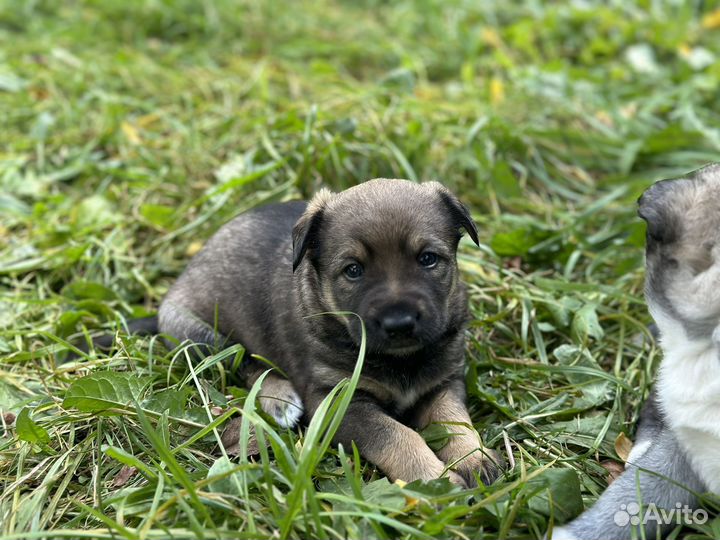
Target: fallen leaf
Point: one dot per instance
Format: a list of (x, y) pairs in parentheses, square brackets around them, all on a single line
[(230, 439), (491, 37), (613, 468), (147, 119), (125, 474), (711, 20), (513, 263), (623, 446), (131, 133), (193, 248), (497, 91)]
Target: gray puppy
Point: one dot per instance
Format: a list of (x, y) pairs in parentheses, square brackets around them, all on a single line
[(385, 250), (678, 443)]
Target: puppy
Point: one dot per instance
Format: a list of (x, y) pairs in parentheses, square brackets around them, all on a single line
[(385, 250), (677, 452)]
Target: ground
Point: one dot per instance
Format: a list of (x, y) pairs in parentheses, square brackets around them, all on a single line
[(130, 130)]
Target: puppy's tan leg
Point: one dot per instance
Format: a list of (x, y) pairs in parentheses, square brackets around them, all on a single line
[(400, 452), (464, 450)]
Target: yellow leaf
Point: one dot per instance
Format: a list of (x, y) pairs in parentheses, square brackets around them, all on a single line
[(605, 118), (427, 92), (410, 502), (711, 20), (629, 110), (193, 248), (497, 90), (131, 133), (623, 446), (147, 119), (491, 37)]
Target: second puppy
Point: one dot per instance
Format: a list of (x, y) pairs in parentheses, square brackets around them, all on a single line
[(384, 249), (676, 451)]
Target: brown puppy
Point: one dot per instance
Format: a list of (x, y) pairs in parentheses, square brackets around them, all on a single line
[(384, 250)]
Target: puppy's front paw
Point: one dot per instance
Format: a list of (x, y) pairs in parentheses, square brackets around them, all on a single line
[(485, 462), (280, 400), (458, 480)]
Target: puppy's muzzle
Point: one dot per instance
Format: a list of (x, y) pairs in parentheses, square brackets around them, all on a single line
[(398, 322)]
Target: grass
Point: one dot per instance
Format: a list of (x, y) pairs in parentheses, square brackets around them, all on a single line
[(131, 130)]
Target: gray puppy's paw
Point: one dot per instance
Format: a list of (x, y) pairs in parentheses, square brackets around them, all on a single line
[(561, 533), (279, 399)]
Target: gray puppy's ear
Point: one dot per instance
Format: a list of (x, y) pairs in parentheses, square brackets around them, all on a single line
[(307, 229), (654, 206), (459, 214)]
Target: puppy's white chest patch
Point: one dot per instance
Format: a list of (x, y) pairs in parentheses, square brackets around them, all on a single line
[(404, 399), (689, 392)]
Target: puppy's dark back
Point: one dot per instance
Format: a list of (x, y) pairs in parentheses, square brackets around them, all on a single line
[(236, 277)]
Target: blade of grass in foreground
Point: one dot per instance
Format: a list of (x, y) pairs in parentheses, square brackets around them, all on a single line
[(322, 429)]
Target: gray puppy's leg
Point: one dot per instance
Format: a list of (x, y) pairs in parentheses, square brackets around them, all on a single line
[(278, 397), (670, 483), (650, 426)]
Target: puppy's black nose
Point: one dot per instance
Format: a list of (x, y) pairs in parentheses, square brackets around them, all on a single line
[(399, 323)]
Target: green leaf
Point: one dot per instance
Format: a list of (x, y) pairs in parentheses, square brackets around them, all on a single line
[(385, 494), (107, 390), (28, 430), (432, 488), (562, 487), (594, 389), (67, 322), (9, 82), (123, 457), (504, 181), (562, 309), (216, 396), (10, 397), (158, 215), (586, 324), (582, 431), (230, 476), (171, 400), (436, 436), (95, 212), (436, 523), (82, 290), (517, 242)]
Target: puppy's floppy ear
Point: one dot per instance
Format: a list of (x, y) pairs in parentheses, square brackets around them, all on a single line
[(459, 214), (655, 207), (305, 234)]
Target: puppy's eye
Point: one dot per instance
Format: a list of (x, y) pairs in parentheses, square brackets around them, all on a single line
[(428, 259), (353, 271)]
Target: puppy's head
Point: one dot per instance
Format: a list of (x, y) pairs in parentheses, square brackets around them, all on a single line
[(385, 249), (683, 251)]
